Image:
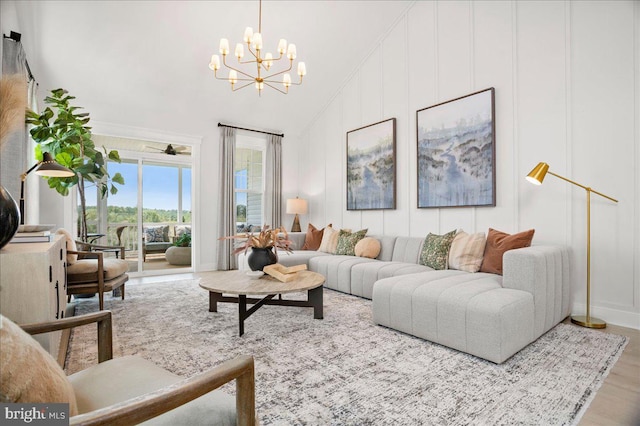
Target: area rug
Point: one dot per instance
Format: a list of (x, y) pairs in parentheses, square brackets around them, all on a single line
[(345, 370)]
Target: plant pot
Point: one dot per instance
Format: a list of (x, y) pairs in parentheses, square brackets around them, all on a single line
[(261, 257), (9, 217)]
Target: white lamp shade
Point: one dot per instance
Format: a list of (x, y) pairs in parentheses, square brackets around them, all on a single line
[(224, 46), (291, 51), (256, 40), (302, 69), (248, 33), (282, 46), (215, 63), (239, 51), (296, 206)]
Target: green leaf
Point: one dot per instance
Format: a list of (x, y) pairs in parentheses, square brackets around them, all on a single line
[(118, 178), (65, 159), (114, 156), (113, 190)]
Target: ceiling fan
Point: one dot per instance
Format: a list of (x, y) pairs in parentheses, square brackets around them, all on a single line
[(171, 150)]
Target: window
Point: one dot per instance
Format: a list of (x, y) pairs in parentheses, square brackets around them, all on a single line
[(249, 182)]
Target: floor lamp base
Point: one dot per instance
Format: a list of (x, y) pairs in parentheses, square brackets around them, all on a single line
[(590, 322)]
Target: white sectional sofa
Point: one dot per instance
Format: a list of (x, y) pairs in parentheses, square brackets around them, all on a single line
[(487, 315)]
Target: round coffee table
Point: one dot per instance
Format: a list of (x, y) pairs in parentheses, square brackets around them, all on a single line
[(239, 284)]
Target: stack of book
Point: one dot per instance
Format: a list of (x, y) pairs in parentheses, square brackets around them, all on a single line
[(32, 237)]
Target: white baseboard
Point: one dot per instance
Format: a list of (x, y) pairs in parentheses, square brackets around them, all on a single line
[(611, 316)]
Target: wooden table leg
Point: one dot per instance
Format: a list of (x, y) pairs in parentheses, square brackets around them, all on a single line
[(213, 301), (315, 298), (242, 311)]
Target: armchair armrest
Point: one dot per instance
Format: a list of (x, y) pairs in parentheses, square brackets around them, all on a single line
[(97, 247), (102, 318), (153, 404)]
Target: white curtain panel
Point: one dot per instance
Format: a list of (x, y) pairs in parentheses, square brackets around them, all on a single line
[(227, 222), (273, 184)]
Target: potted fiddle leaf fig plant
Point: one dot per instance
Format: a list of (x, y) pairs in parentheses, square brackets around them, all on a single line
[(65, 135)]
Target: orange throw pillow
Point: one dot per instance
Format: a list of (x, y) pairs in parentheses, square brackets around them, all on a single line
[(313, 238), (498, 243)]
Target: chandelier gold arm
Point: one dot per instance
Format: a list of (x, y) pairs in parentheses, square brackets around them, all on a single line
[(276, 88), (224, 62), (234, 89)]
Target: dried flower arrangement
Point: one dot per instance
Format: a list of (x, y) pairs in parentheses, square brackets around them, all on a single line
[(278, 238)]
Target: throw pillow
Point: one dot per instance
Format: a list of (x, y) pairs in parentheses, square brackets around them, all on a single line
[(498, 243), (156, 234), (435, 250), (347, 241), (313, 239), (466, 251), (71, 245), (329, 240), (28, 373), (182, 229), (368, 247)]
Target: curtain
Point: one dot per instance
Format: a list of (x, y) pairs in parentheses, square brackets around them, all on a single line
[(15, 156), (273, 184), (227, 221)]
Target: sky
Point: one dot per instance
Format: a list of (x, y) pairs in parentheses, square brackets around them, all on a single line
[(159, 186)]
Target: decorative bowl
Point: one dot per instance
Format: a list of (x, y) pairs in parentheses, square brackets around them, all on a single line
[(254, 275)]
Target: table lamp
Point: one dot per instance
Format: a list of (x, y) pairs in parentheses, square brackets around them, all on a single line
[(296, 206), (47, 167), (536, 176)]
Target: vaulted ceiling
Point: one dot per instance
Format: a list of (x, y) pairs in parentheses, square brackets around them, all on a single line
[(145, 63)]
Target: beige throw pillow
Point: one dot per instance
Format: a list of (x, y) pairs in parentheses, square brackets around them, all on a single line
[(329, 242), (28, 373), (71, 245), (466, 251), (368, 247)]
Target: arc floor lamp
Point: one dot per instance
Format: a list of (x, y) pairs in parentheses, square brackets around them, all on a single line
[(47, 167), (536, 176)]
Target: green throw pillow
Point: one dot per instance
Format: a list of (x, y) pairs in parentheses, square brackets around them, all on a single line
[(347, 241), (435, 250)]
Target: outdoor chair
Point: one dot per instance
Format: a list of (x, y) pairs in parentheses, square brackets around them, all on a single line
[(123, 391)]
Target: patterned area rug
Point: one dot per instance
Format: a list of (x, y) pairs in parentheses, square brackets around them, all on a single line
[(344, 370)]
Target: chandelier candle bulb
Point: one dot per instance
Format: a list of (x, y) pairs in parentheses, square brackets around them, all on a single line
[(268, 61), (282, 46), (239, 51), (233, 77), (215, 63), (286, 80), (256, 40), (291, 51), (248, 33), (224, 46), (302, 69)]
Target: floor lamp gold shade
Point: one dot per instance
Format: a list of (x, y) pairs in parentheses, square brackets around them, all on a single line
[(536, 176)]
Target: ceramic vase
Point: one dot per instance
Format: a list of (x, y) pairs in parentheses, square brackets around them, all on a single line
[(9, 217), (261, 257)]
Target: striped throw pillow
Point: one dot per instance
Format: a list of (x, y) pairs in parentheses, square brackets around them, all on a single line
[(466, 251)]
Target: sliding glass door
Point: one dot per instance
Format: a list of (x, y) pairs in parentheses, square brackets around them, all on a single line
[(149, 215)]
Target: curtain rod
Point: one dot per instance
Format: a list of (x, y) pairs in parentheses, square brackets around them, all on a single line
[(16, 37), (251, 130)]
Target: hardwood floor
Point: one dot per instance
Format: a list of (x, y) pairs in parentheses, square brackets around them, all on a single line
[(618, 400)]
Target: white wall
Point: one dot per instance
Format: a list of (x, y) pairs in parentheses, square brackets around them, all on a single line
[(566, 93)]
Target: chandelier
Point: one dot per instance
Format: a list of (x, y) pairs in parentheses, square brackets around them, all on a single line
[(263, 61)]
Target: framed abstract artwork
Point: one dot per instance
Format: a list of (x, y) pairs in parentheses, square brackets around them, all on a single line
[(371, 166), (456, 152)]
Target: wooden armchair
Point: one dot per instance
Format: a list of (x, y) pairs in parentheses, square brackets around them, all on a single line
[(92, 273), (128, 390)]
